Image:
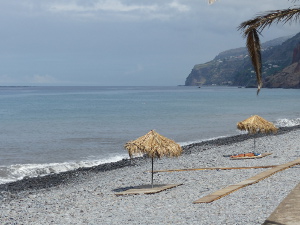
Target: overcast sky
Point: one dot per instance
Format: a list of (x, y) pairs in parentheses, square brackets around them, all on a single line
[(120, 42)]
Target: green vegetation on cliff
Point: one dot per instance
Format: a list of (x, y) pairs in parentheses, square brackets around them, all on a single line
[(233, 67)]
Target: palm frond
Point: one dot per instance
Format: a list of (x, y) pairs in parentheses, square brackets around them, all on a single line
[(253, 45), (253, 27), (265, 20)]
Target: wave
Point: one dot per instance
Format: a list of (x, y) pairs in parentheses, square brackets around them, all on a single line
[(20, 171), (287, 122)]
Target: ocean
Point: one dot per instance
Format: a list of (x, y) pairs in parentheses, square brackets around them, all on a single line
[(55, 129)]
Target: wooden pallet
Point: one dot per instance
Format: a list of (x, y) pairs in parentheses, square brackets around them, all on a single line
[(226, 191), (147, 189), (253, 157)]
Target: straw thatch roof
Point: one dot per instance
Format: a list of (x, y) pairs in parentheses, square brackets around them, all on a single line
[(256, 124), (154, 145)]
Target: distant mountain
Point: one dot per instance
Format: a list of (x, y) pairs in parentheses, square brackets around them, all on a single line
[(233, 67)]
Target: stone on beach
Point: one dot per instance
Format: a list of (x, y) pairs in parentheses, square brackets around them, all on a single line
[(87, 195)]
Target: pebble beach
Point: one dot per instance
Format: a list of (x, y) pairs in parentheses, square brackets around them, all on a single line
[(88, 195)]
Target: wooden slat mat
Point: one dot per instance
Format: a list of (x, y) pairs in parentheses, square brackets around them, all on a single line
[(253, 157), (147, 189), (225, 191)]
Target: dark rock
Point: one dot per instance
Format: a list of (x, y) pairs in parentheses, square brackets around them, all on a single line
[(287, 78)]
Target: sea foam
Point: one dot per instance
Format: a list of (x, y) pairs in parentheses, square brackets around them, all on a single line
[(19, 171), (287, 122)]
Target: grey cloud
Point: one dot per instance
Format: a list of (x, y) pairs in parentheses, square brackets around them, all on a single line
[(138, 42)]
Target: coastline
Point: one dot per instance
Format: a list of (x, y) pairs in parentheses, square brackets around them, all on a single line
[(11, 190), (88, 195)]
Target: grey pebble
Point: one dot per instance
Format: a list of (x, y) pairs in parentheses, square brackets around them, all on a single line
[(89, 197)]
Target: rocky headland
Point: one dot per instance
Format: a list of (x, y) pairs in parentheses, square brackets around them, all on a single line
[(280, 68)]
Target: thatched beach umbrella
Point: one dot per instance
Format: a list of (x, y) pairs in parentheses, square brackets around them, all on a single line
[(256, 124), (153, 145)]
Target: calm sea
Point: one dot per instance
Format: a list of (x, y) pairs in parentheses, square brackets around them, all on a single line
[(54, 129)]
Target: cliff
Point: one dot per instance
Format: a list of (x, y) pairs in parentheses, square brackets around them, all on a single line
[(289, 77), (233, 67)]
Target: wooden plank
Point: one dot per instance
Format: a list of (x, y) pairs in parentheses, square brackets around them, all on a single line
[(219, 194), (288, 210), (227, 190), (147, 189), (253, 157), (247, 182), (206, 199), (213, 168), (293, 162)]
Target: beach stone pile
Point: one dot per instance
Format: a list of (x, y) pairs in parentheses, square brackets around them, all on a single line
[(88, 195)]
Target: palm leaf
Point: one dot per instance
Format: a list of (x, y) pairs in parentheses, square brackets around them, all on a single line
[(253, 45), (253, 27), (265, 20)]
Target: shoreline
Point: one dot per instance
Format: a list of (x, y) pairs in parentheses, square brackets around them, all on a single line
[(12, 189), (90, 196)]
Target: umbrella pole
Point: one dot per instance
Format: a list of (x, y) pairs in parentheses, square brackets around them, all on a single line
[(254, 144), (152, 173)]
